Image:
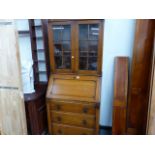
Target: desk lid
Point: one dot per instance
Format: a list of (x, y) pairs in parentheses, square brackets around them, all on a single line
[(71, 87)]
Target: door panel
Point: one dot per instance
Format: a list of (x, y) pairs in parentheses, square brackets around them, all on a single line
[(12, 110)]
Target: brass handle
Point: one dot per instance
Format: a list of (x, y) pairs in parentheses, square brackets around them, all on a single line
[(85, 110), (59, 119), (84, 122), (76, 77)]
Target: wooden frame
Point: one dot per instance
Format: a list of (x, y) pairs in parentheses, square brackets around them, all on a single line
[(100, 41), (50, 36)]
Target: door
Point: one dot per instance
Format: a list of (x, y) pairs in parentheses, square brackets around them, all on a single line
[(12, 110), (89, 41), (61, 46)]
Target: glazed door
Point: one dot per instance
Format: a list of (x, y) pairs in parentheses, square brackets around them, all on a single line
[(61, 46), (89, 46)]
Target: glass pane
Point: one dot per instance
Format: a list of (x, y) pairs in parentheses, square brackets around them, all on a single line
[(92, 63), (62, 46), (66, 46), (67, 62), (83, 31), (93, 31), (58, 62), (58, 49), (93, 48), (83, 63), (83, 48), (57, 29), (66, 32)]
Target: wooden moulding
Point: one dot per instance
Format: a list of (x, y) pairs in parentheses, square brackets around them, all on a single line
[(120, 95)]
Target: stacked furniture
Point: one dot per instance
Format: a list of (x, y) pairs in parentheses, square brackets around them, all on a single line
[(73, 95)]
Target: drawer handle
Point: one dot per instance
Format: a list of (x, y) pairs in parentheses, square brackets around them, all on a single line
[(84, 122), (58, 107), (59, 119), (85, 110)]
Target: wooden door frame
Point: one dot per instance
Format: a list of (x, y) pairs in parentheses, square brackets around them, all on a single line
[(100, 47)]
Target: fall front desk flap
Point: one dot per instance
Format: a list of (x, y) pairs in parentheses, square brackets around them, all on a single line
[(74, 87)]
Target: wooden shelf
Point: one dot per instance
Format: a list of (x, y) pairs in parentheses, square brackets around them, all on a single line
[(37, 26), (39, 50), (41, 72), (23, 32), (40, 90), (40, 37)]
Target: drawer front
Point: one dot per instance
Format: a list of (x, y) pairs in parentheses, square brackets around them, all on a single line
[(87, 121), (59, 129), (73, 107)]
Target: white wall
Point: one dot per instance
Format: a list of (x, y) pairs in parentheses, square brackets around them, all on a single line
[(118, 41)]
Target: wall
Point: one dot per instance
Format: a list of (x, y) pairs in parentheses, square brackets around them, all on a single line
[(118, 41)]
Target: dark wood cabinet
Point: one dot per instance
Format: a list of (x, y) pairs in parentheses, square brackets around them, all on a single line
[(35, 102), (36, 112), (73, 95)]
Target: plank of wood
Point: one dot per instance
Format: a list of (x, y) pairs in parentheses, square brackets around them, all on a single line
[(120, 95), (140, 77), (151, 109), (12, 110)]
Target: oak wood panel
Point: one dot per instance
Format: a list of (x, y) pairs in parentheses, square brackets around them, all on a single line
[(74, 107), (140, 77), (60, 129), (82, 120), (120, 95), (12, 110), (84, 88)]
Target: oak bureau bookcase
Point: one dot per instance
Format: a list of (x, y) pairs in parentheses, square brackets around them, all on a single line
[(73, 95)]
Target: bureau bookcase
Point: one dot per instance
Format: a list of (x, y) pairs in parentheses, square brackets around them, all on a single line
[(73, 94)]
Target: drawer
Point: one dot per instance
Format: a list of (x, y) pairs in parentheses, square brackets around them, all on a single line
[(73, 107), (87, 121), (60, 129)]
